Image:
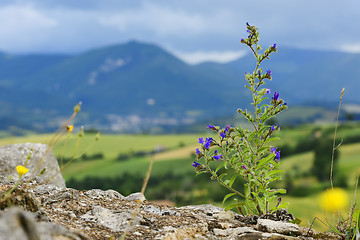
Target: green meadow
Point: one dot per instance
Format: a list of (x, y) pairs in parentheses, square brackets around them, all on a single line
[(173, 176)]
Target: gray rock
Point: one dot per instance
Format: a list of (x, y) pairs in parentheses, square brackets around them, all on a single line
[(115, 221), (17, 224), (207, 208), (98, 194), (135, 197), (42, 157), (267, 225)]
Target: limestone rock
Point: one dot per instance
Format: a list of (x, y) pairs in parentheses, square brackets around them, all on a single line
[(42, 157), (17, 224), (114, 220), (267, 225), (136, 197), (104, 214)]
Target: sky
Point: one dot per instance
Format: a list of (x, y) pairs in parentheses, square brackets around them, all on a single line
[(195, 31)]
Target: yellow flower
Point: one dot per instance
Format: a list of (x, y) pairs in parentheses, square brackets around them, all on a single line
[(70, 128), (334, 200), (21, 170)]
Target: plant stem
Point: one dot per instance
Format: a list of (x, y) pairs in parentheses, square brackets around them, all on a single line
[(333, 148)]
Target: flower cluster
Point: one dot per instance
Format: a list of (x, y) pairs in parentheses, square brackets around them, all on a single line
[(247, 153)]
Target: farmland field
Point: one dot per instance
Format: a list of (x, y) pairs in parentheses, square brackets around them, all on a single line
[(177, 156)]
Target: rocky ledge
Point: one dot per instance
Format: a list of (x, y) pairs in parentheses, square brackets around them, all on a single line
[(45, 211)]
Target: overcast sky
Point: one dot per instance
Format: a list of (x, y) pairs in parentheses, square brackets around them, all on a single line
[(194, 30)]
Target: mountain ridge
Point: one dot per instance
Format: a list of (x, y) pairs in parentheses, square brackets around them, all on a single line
[(144, 80)]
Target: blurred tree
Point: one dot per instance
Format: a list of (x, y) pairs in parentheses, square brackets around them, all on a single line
[(322, 162)]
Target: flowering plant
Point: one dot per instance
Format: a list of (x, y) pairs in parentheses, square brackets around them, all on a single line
[(248, 152)]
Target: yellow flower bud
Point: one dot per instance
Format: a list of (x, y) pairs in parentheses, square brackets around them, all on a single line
[(21, 170), (334, 200), (77, 107)]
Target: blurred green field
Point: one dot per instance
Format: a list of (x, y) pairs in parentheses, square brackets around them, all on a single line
[(178, 157)]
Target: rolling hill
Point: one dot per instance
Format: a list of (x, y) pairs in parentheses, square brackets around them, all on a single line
[(134, 86)]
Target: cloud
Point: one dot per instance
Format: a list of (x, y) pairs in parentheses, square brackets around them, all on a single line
[(153, 18), (209, 56), (202, 29), (22, 24), (351, 48)]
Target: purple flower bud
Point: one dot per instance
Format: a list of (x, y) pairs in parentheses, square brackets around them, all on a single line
[(276, 96), (274, 46), (211, 126), (268, 72), (227, 128), (268, 91), (196, 164), (197, 151), (247, 24), (217, 157), (272, 128), (244, 167), (277, 155)]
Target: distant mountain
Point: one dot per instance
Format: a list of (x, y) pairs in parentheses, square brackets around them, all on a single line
[(134, 86)]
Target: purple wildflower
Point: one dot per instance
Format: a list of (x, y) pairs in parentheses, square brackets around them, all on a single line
[(268, 72), (268, 91), (277, 153), (274, 46), (201, 140), (211, 126), (196, 164), (223, 134), (273, 127), (197, 151), (208, 143), (244, 167), (276, 96), (217, 157)]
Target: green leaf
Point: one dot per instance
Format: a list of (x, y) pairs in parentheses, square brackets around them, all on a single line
[(227, 196), (233, 205), (201, 172), (296, 221), (272, 139), (274, 172), (222, 175), (218, 168), (231, 182), (265, 161)]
